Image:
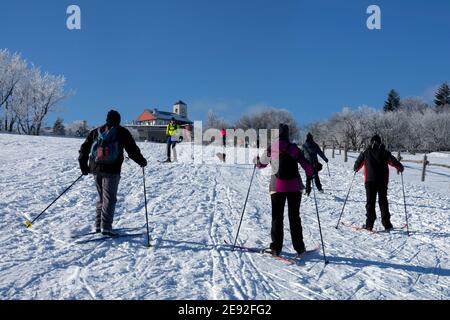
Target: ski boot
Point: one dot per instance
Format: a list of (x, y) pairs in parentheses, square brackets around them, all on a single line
[(271, 252), (109, 233)]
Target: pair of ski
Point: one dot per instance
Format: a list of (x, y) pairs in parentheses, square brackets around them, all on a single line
[(284, 259), (379, 232), (98, 237), (167, 162)]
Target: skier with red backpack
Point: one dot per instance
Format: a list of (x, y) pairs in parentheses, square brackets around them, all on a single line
[(285, 184), (223, 134), (102, 155)]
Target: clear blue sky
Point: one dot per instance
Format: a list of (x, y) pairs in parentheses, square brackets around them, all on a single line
[(311, 57)]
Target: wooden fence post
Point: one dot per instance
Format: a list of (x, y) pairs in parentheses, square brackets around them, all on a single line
[(345, 153), (424, 170)]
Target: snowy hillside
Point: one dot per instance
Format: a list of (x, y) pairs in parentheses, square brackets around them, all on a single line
[(192, 210)]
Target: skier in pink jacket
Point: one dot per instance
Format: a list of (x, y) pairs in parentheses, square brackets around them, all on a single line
[(285, 184)]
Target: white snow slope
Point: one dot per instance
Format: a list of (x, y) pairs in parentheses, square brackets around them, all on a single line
[(192, 210)]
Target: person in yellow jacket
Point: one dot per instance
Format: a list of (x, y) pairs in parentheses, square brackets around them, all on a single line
[(172, 134)]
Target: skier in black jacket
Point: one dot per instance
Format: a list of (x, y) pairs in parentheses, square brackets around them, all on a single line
[(311, 150), (103, 149), (375, 161)]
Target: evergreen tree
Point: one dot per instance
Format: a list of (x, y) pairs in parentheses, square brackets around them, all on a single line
[(58, 128), (442, 100), (393, 102)]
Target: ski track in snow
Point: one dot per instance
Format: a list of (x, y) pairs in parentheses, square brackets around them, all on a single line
[(193, 209)]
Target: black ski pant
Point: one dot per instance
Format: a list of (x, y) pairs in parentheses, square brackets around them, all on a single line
[(278, 202), (316, 180), (107, 186), (224, 143), (372, 190)]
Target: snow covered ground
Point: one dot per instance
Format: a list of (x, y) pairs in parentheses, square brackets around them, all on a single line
[(192, 209)]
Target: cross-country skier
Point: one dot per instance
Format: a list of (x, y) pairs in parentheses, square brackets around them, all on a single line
[(172, 132), (223, 133), (103, 149), (286, 184), (375, 160), (311, 150)]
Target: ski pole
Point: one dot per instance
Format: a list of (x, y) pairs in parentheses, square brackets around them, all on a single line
[(146, 212), (345, 202), (245, 205), (404, 201), (328, 167), (29, 224), (320, 227)]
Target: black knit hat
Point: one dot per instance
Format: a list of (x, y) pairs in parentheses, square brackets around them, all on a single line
[(376, 138), (284, 132), (113, 119), (309, 137)]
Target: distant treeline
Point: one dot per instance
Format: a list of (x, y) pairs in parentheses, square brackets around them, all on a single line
[(404, 124), (408, 124)]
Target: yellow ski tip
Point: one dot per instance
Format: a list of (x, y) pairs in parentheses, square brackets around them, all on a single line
[(28, 224)]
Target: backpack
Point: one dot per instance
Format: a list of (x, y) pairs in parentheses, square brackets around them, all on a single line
[(312, 160), (318, 166), (105, 150), (287, 165)]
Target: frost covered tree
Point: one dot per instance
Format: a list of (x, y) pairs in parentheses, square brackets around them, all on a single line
[(83, 130), (27, 95), (436, 131), (269, 118), (214, 122), (321, 131), (39, 95), (415, 127), (414, 104), (393, 102), (77, 128), (12, 68)]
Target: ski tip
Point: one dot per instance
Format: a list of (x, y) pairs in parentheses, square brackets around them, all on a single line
[(28, 224)]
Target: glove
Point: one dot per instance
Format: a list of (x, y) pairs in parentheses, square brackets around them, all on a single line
[(143, 163), (85, 169), (326, 160), (256, 160), (402, 169)]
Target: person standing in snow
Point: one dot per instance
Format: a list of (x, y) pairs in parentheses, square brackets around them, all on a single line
[(223, 133), (172, 132), (311, 150), (375, 160), (102, 155), (285, 184)]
